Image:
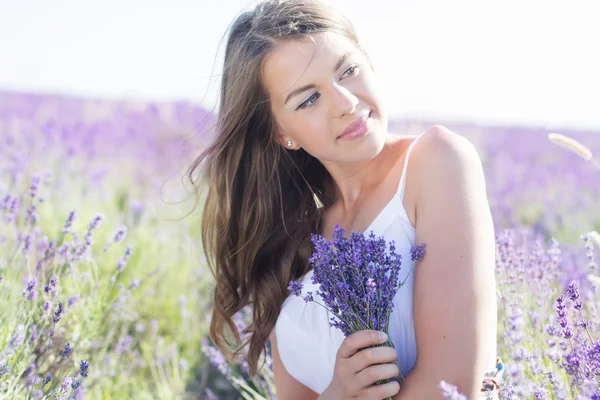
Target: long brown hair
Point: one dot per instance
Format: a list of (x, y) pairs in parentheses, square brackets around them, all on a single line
[(263, 200)]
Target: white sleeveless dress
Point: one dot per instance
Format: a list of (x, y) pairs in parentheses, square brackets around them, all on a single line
[(306, 343)]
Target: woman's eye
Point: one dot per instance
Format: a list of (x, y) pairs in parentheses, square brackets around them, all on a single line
[(315, 96), (351, 69), (308, 103)]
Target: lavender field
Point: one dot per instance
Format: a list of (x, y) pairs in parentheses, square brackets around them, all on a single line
[(103, 289)]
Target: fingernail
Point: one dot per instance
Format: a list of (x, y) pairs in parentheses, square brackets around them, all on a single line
[(383, 336)]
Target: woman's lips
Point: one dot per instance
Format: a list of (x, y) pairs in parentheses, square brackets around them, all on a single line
[(357, 128)]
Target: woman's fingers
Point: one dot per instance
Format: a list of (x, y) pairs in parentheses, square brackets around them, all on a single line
[(360, 340), (374, 373)]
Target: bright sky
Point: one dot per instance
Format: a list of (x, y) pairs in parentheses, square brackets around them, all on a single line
[(532, 62)]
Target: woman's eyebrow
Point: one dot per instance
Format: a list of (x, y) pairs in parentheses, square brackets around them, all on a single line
[(296, 92)]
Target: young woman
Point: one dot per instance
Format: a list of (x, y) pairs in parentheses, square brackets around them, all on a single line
[(302, 145)]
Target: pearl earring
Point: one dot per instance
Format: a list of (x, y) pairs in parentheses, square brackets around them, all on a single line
[(289, 143)]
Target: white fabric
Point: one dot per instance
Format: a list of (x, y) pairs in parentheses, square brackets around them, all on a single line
[(308, 345)]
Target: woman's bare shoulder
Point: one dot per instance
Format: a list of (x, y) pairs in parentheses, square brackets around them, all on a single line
[(438, 150)]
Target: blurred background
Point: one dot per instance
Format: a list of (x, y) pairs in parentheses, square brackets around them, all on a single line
[(512, 62), (103, 106)]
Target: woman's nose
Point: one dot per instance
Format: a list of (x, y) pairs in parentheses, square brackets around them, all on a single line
[(344, 100)]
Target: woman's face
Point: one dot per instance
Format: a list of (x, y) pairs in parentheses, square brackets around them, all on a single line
[(316, 93)]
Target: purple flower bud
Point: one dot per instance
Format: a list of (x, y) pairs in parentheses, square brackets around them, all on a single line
[(31, 218), (417, 253), (295, 287), (67, 351), (58, 312), (76, 383), (65, 387), (573, 291), (34, 187), (72, 216), (95, 223), (27, 244), (83, 368), (72, 300), (371, 286), (47, 379), (31, 295), (31, 284), (120, 235), (5, 203)]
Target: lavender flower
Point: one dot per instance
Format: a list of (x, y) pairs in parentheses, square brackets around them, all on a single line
[(84, 368), (58, 312), (357, 280), (349, 272), (417, 253), (72, 300), (47, 379), (31, 284), (67, 351), (95, 223), (65, 386), (215, 356), (72, 216), (34, 187), (120, 235), (573, 293)]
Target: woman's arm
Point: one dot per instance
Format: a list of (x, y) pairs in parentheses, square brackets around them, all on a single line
[(454, 290), (286, 387)]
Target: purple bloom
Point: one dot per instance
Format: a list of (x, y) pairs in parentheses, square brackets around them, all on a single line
[(47, 379), (30, 285), (95, 223), (66, 384), (26, 244), (72, 216), (573, 291), (357, 280), (120, 235), (84, 368), (72, 300), (58, 312), (295, 288), (33, 188), (372, 287), (67, 351), (216, 357), (417, 253)]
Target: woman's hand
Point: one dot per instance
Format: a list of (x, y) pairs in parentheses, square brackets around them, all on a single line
[(358, 367)]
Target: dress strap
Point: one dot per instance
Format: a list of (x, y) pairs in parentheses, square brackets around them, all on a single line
[(403, 177)]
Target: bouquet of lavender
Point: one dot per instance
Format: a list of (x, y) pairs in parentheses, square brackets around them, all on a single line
[(357, 280)]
